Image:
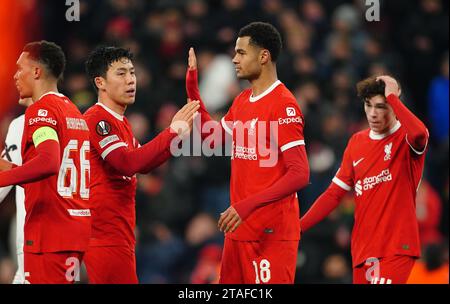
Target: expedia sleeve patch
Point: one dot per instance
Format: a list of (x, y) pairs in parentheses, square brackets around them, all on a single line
[(103, 128)]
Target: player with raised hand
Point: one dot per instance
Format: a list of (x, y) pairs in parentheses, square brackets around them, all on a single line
[(55, 170), (384, 165), (116, 158), (261, 226)]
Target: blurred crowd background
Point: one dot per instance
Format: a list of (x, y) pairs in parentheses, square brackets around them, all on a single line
[(328, 47)]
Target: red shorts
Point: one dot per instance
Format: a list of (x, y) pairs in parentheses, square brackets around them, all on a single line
[(387, 270), (111, 265), (249, 262), (53, 267)]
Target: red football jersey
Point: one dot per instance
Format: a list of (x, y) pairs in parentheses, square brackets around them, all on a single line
[(262, 127), (112, 194), (384, 171), (57, 208)]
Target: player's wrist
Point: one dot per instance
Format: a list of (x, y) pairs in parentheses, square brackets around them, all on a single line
[(391, 97), (171, 133), (179, 129), (192, 75)]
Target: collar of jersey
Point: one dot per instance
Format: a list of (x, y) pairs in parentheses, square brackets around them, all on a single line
[(116, 115), (269, 89), (394, 129), (51, 93)]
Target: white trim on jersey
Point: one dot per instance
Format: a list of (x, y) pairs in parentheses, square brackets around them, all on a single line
[(52, 93), (292, 144), (341, 184), (412, 148), (116, 115), (225, 127), (269, 89), (112, 148), (108, 140), (394, 129)]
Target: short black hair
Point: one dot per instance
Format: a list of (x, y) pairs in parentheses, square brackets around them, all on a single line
[(264, 35), (102, 58), (49, 54)]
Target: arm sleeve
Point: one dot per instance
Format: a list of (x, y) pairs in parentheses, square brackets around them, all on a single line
[(44, 164), (113, 148), (290, 123), (329, 200), (326, 203), (41, 127), (416, 133), (193, 92), (143, 159), (225, 126), (295, 178), (344, 177)]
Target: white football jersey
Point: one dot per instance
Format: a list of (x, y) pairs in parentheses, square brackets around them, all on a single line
[(12, 153)]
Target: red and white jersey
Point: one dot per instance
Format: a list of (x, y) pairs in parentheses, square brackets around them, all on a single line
[(385, 172), (57, 208), (112, 194), (262, 127)]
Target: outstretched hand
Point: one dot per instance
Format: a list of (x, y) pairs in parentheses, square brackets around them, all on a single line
[(182, 121), (192, 59)]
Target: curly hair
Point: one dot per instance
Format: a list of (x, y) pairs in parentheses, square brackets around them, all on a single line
[(369, 88), (265, 36)]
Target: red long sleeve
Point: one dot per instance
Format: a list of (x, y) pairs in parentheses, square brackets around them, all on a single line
[(193, 93), (143, 159), (326, 203), (296, 177), (417, 133), (46, 163)]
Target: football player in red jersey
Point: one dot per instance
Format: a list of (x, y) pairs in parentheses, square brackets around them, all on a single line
[(116, 158), (55, 170), (384, 165), (261, 226)]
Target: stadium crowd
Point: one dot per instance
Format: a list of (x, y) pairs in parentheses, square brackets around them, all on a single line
[(328, 47)]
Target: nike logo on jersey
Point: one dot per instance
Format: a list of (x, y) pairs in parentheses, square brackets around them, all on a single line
[(355, 163)]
